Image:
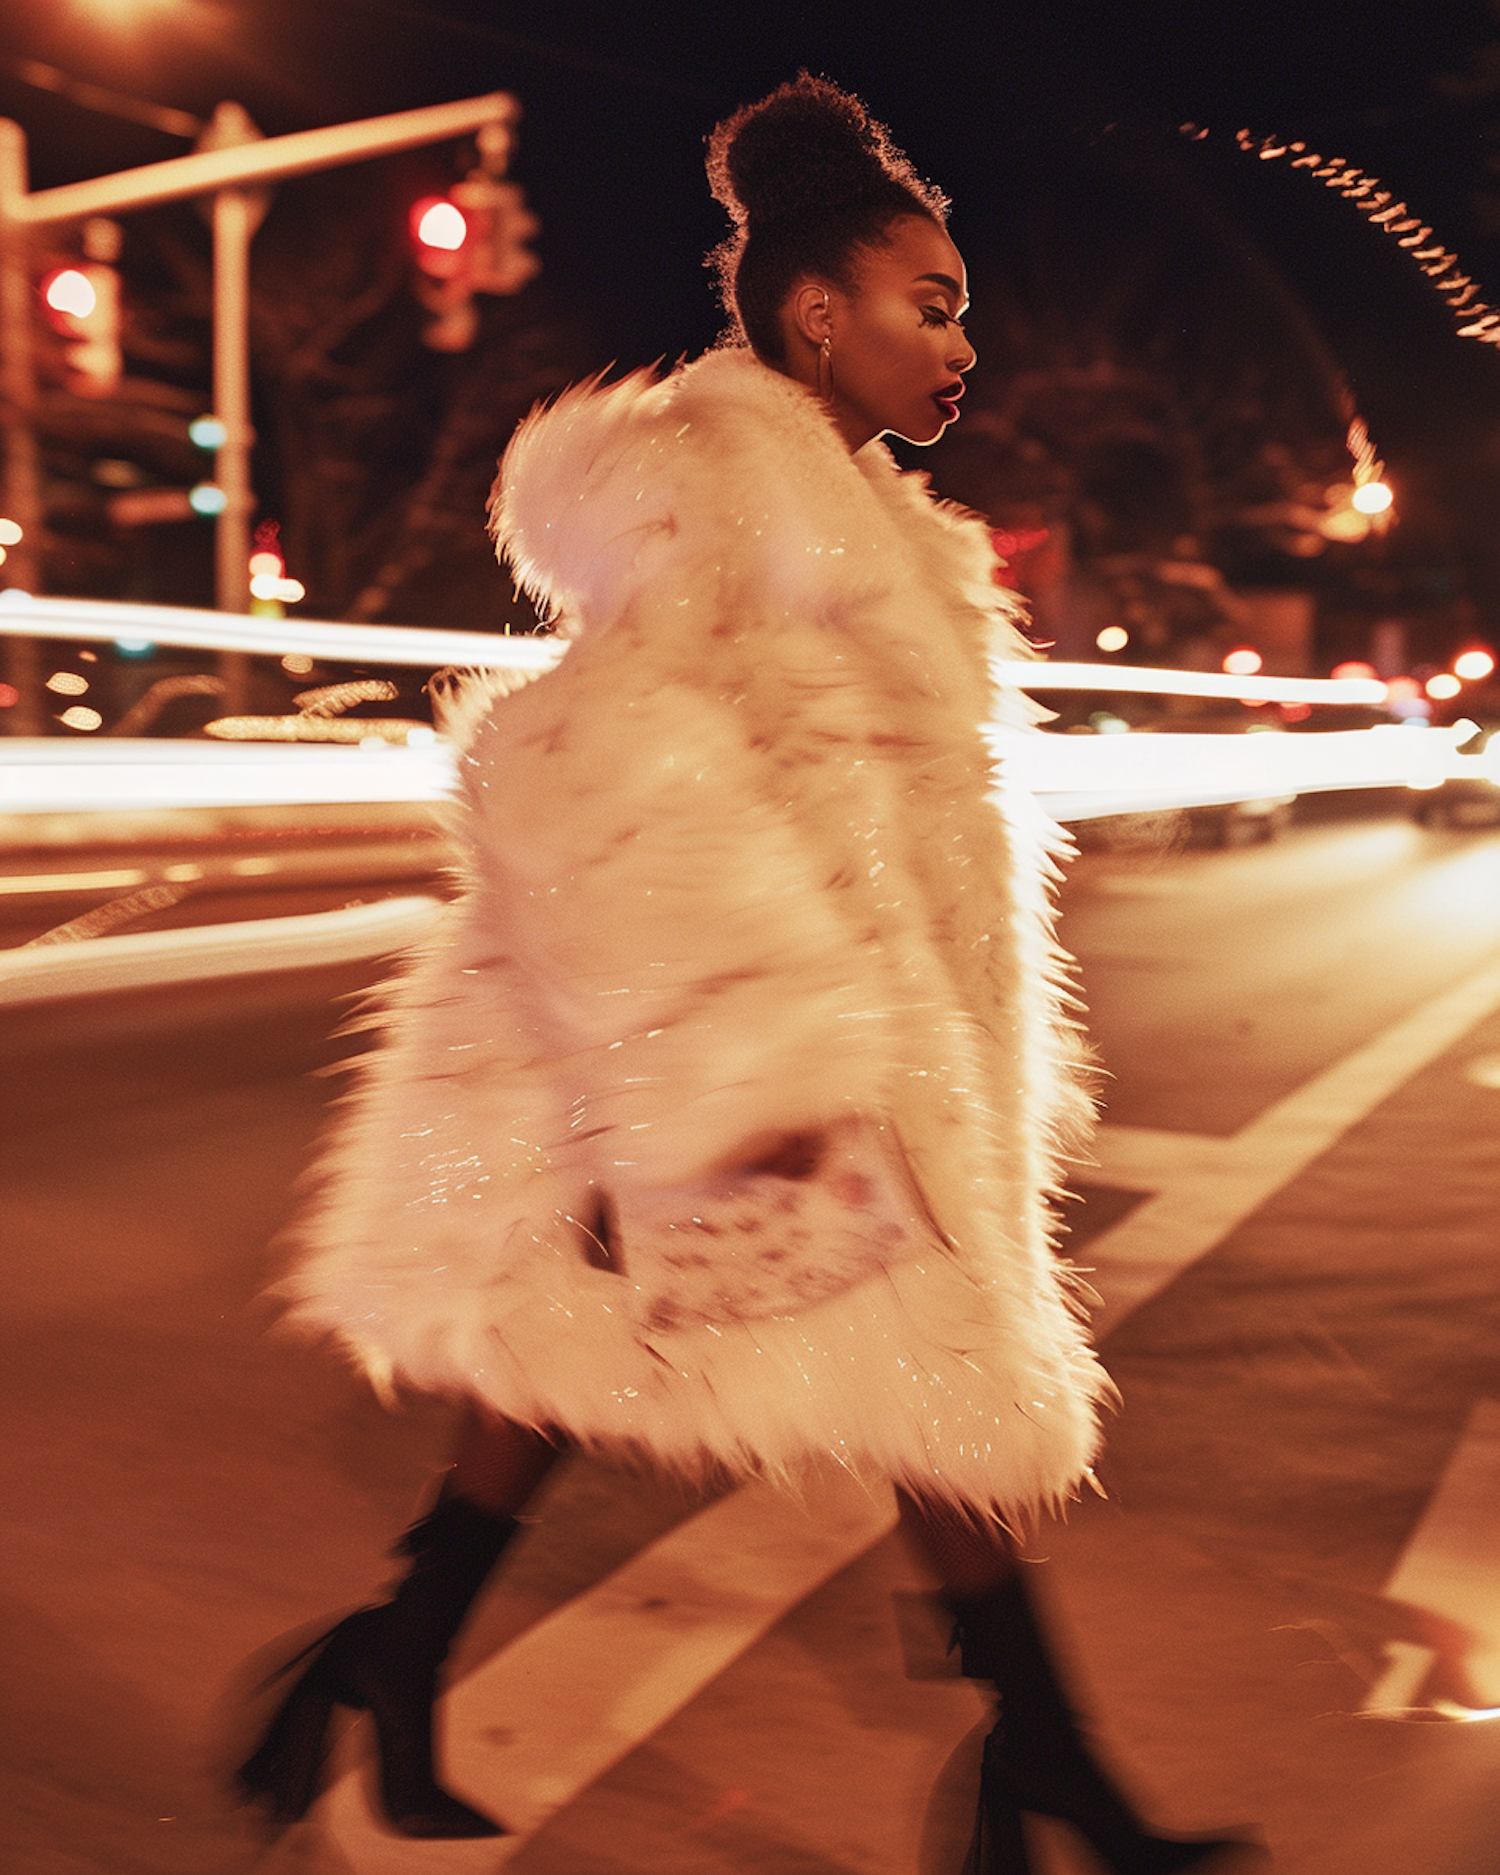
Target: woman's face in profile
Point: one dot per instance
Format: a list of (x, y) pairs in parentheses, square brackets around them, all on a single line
[(897, 349)]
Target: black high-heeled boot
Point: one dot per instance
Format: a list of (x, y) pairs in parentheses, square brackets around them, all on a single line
[(385, 1660), (1037, 1760)]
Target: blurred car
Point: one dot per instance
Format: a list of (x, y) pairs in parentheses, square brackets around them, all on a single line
[(1229, 823)]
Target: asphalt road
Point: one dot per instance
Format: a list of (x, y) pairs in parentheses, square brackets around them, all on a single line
[(183, 1486)]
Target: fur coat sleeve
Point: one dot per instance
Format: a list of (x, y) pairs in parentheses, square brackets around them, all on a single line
[(722, 1122)]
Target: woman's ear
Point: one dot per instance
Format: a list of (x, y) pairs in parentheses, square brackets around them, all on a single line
[(811, 312)]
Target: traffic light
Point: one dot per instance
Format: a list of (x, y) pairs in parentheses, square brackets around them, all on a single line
[(270, 589), (472, 240), (83, 304), (440, 231)]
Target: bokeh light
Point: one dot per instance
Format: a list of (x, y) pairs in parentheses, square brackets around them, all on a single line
[(1474, 664), (11, 533), (1372, 498), (67, 683), (81, 717), (1243, 661), (1444, 685), (1113, 638), (207, 498)]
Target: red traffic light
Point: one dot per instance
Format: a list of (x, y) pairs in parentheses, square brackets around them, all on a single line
[(440, 231), (83, 304)]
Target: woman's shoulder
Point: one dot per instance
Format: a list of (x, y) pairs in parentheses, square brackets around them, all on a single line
[(723, 447), (647, 423)]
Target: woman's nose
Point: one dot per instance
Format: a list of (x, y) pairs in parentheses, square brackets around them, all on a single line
[(964, 354)]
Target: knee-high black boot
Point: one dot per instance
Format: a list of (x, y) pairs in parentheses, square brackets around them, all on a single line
[(1037, 1760), (385, 1659)]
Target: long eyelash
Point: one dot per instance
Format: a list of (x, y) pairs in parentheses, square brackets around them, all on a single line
[(935, 316)]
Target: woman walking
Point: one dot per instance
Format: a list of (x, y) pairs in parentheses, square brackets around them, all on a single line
[(720, 1126)]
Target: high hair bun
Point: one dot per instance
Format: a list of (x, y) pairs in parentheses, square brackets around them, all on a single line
[(804, 152), (812, 185)]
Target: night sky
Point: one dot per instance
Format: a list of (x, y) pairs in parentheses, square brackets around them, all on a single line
[(618, 98)]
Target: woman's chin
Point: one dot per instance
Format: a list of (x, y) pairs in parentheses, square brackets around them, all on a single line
[(923, 434)]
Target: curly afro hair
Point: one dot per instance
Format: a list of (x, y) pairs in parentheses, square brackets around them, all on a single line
[(810, 182)]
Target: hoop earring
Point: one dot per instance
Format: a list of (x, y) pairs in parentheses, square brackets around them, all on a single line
[(825, 371)]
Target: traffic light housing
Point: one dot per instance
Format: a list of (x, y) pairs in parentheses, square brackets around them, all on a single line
[(472, 240), (270, 589), (444, 250), (500, 226), (83, 305)]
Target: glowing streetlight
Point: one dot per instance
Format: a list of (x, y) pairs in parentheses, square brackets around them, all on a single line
[(1371, 498)]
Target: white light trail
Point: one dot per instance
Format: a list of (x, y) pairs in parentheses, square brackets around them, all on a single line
[(42, 775), (411, 646), (1084, 777), (1045, 675), (1075, 777)]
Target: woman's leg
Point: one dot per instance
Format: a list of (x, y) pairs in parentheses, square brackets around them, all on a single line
[(970, 1556), (386, 1659), (1038, 1759), (497, 1464)]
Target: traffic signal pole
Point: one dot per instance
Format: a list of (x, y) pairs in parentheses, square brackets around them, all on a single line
[(234, 224), (22, 498), (227, 175)]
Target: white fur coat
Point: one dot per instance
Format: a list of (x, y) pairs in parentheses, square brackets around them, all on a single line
[(722, 1121)]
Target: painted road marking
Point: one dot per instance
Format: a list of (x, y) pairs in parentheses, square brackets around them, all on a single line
[(1450, 1569), (600, 1675), (1208, 1186), (548, 1715)]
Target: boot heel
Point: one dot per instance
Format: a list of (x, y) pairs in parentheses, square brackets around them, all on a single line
[(385, 1660)]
